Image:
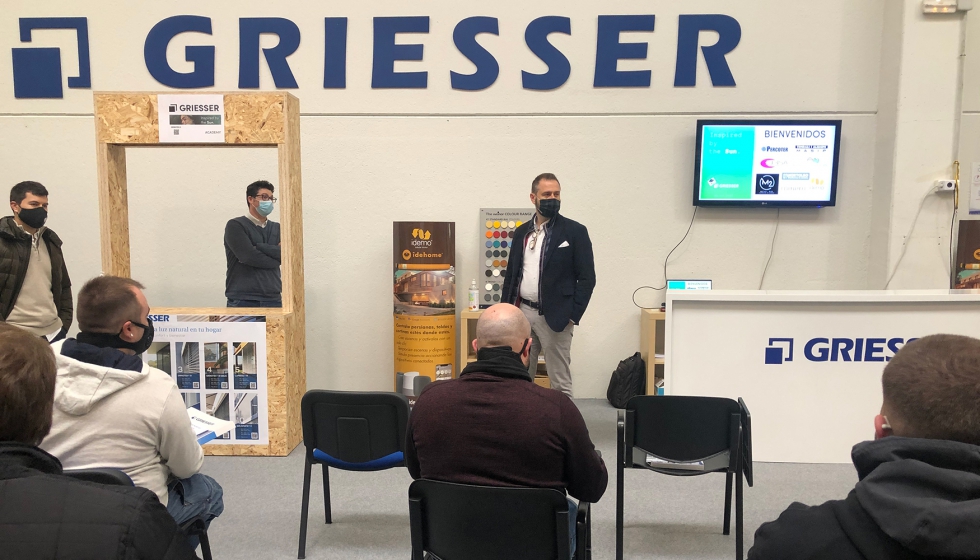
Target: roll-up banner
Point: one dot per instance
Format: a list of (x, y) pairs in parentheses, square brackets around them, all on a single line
[(424, 289)]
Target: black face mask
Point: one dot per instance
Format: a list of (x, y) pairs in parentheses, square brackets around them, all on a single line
[(548, 207), (491, 352), (109, 340), (33, 217)]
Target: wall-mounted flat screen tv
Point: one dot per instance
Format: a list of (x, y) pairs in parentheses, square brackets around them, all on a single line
[(766, 163)]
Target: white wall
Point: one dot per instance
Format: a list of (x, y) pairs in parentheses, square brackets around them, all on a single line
[(625, 158)]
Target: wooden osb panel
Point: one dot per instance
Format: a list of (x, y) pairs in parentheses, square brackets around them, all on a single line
[(296, 378), (255, 118), (126, 118), (294, 284), (113, 209)]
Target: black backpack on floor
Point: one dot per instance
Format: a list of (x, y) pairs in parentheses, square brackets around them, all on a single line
[(629, 380)]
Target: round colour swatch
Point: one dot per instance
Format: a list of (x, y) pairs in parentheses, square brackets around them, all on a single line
[(510, 224), (496, 224), (489, 224), (497, 243), (496, 234), (489, 243), (503, 234), (489, 234), (503, 244), (496, 272)]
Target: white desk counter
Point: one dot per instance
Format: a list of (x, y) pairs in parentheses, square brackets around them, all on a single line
[(807, 363)]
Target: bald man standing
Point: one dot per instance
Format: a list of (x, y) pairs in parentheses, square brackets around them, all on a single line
[(493, 426)]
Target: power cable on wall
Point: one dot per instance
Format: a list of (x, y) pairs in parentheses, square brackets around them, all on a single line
[(772, 247), (695, 215), (908, 236)]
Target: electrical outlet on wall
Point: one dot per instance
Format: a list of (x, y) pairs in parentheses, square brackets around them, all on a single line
[(945, 185)]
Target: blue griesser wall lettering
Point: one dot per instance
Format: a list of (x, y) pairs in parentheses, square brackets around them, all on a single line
[(37, 70), (870, 349)]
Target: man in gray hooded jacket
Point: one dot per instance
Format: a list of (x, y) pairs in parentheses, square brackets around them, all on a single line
[(918, 494), (113, 410)]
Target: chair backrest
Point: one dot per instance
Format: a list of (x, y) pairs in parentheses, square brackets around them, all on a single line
[(354, 427), (746, 441), (680, 428), (111, 477), (464, 522)]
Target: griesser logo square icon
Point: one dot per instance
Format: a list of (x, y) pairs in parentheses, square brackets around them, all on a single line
[(767, 183)]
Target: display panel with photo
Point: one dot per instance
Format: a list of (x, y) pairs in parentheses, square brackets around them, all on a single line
[(159, 356), (245, 366), (188, 359), (215, 365), (246, 416), (216, 404)]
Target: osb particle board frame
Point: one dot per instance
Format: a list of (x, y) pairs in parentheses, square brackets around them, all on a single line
[(129, 120)]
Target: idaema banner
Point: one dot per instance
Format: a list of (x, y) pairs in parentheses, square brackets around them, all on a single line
[(424, 298)]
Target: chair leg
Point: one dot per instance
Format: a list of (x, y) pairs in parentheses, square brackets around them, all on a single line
[(326, 493), (205, 545), (619, 509), (305, 510), (728, 504), (738, 517)]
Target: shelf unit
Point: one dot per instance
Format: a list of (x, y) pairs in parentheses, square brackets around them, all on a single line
[(652, 329), (467, 333)]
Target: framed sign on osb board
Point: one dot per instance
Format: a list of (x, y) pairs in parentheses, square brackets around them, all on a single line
[(130, 120)]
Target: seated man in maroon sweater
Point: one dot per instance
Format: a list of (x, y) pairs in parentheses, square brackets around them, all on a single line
[(493, 426)]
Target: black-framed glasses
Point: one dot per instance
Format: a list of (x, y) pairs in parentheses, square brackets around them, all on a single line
[(266, 198)]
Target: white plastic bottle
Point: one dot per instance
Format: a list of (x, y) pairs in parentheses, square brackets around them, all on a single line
[(474, 297)]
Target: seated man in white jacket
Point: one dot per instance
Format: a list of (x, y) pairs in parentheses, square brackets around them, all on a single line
[(113, 410)]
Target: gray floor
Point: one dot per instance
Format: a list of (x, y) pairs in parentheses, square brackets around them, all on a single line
[(665, 517)]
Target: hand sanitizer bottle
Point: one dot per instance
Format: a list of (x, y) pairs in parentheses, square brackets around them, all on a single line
[(474, 297)]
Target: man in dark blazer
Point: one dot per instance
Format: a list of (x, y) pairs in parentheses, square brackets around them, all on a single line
[(550, 276)]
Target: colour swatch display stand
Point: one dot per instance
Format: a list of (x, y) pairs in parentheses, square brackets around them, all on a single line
[(496, 229), (130, 120)]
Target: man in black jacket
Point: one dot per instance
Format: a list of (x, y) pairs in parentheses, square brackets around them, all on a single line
[(44, 514), (35, 291), (918, 494), (550, 276), (253, 252)]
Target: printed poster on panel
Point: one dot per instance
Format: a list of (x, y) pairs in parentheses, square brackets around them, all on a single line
[(219, 365), (424, 300)]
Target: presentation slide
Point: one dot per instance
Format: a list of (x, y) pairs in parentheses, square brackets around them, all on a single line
[(767, 163)]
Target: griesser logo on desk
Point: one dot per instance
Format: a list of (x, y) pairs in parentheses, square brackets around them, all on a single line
[(818, 349)]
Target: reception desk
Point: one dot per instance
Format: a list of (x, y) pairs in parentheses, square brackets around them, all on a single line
[(807, 363)]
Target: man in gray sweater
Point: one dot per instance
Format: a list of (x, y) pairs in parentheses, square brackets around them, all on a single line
[(253, 252)]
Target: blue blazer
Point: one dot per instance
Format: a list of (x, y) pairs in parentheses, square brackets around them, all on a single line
[(568, 278)]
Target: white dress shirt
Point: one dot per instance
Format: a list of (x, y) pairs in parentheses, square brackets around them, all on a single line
[(532, 262)]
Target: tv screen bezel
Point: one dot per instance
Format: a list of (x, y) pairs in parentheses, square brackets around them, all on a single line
[(701, 123)]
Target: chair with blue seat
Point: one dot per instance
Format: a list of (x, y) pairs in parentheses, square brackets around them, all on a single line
[(352, 432), (115, 477)]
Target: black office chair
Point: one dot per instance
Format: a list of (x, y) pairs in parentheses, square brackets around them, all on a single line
[(352, 432), (115, 477), (686, 436), (466, 522)]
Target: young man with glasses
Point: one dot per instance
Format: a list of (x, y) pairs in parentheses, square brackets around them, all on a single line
[(550, 276), (253, 252)]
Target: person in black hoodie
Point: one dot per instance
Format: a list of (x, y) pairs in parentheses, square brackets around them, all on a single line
[(44, 514), (918, 494)]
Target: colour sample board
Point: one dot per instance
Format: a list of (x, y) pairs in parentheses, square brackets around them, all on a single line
[(497, 226)]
